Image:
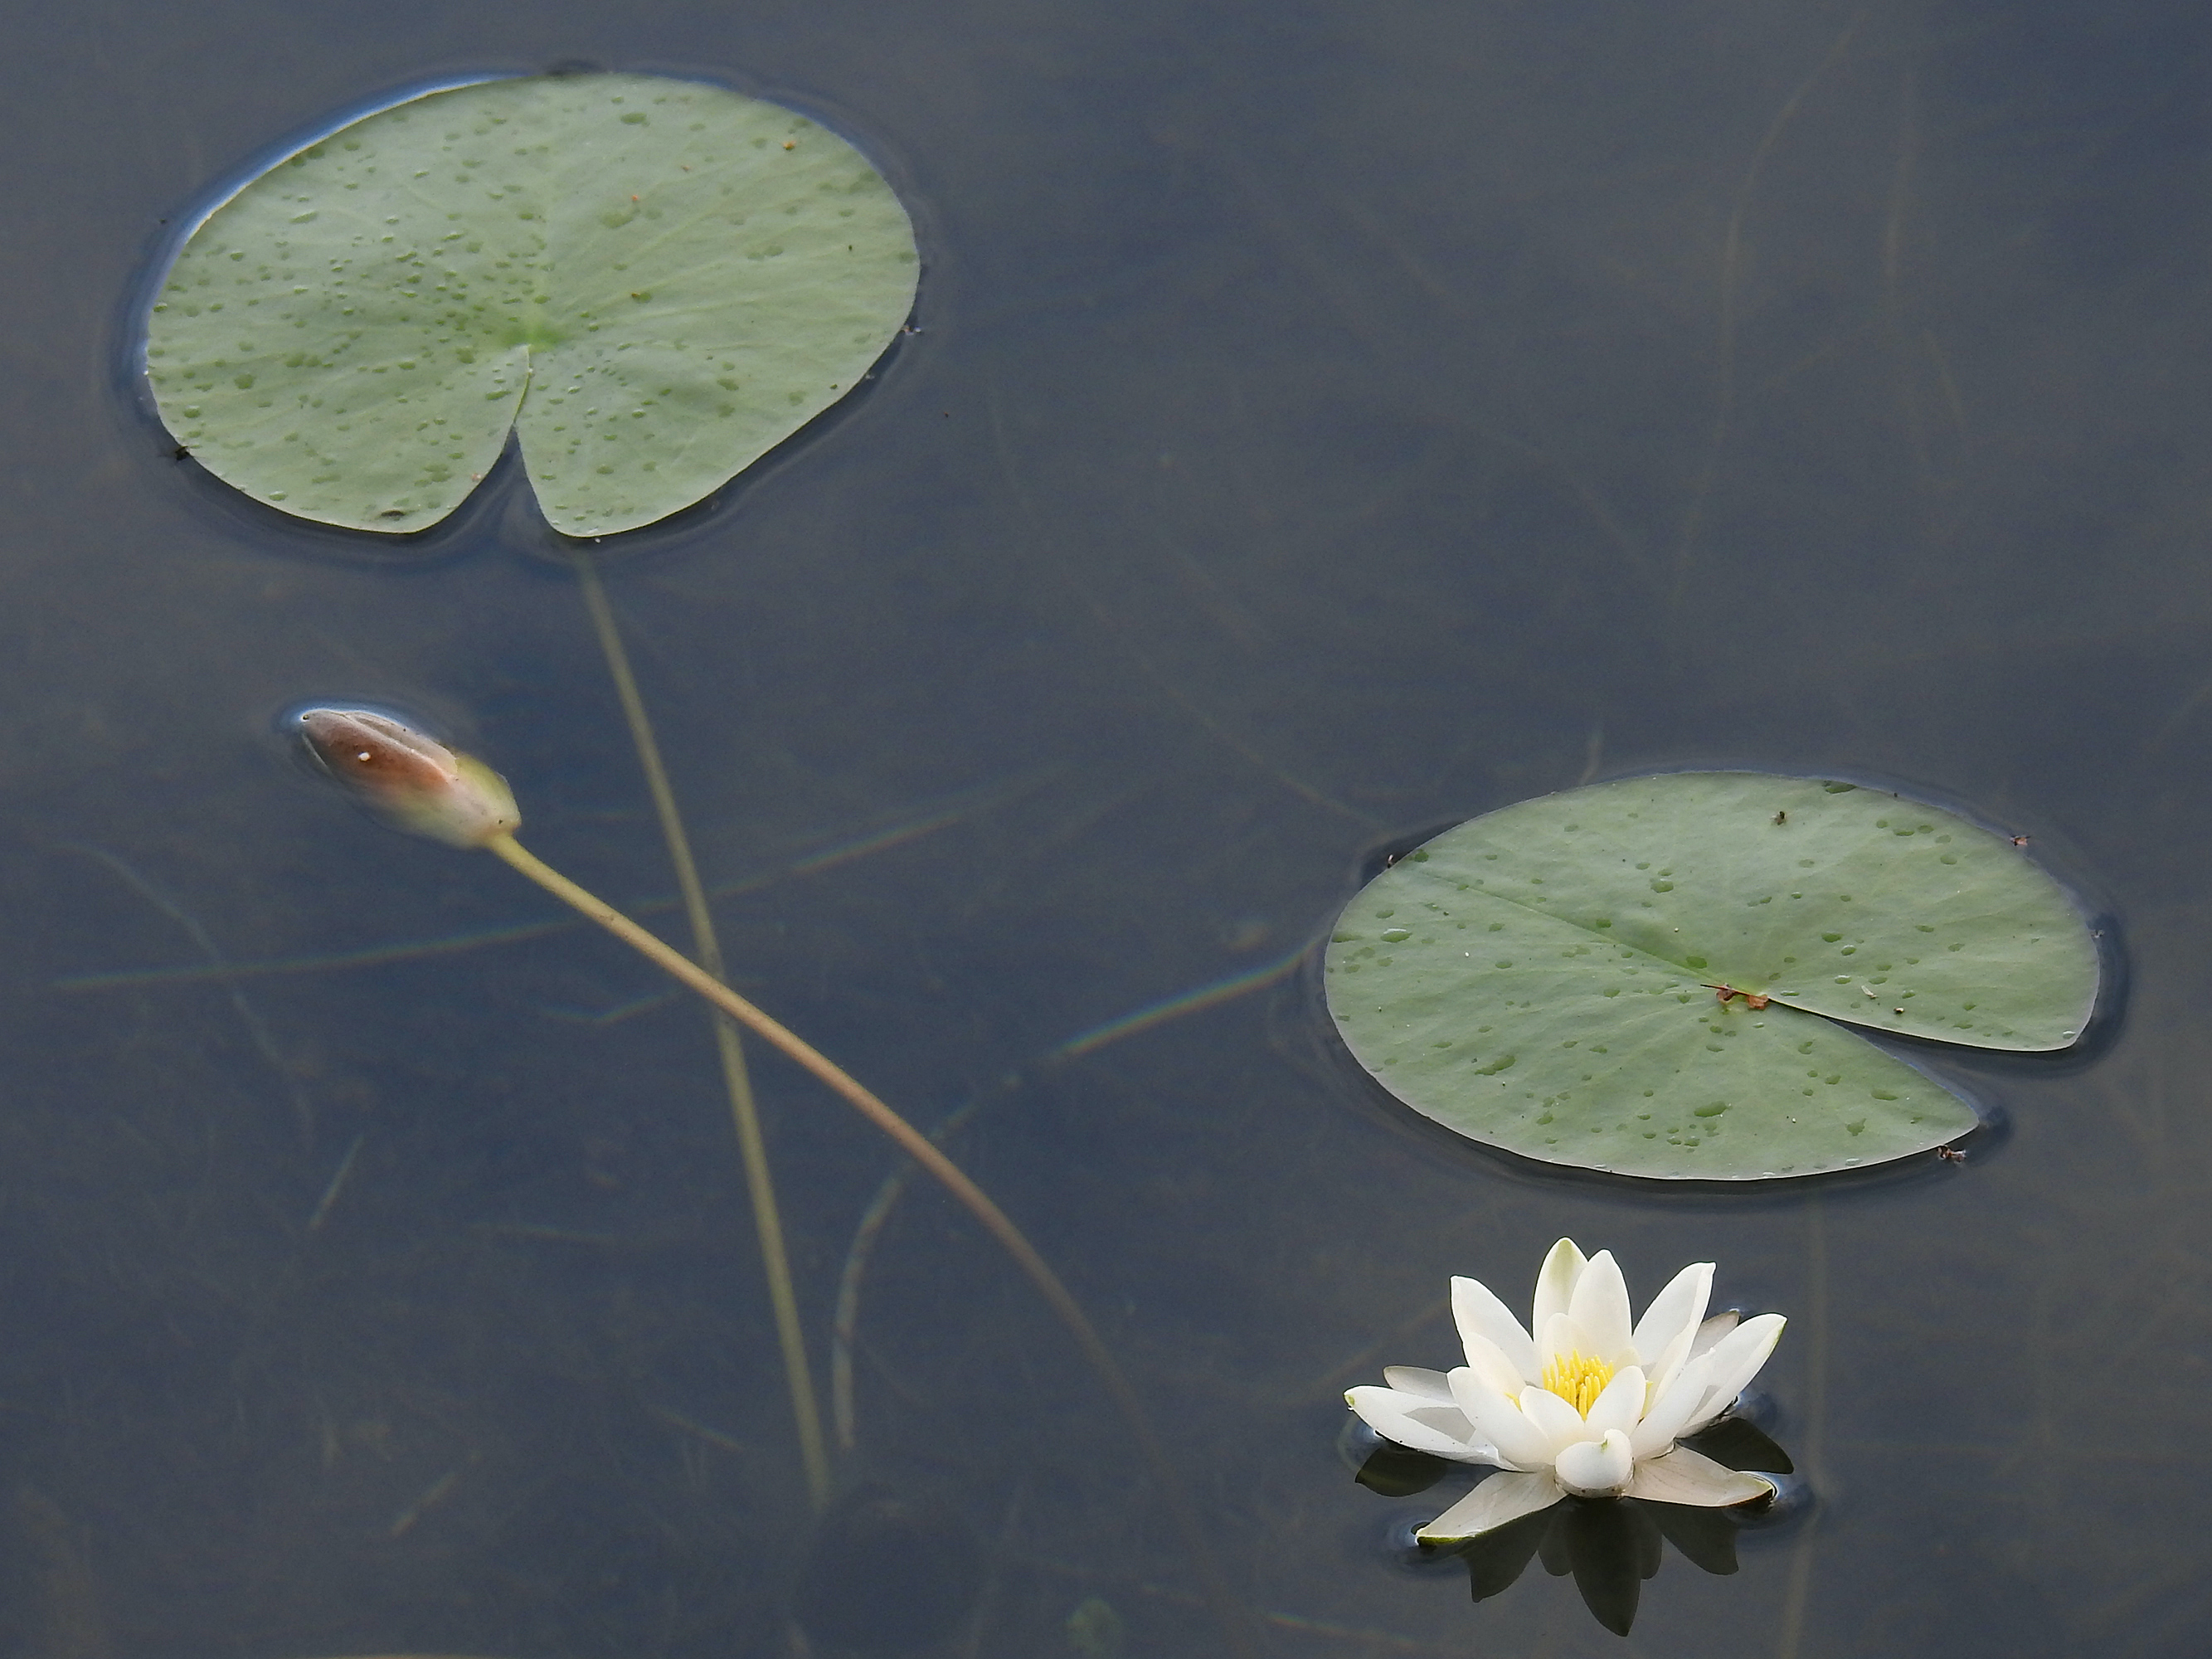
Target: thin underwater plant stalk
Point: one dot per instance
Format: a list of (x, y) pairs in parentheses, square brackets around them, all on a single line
[(425, 789), (706, 948), (948, 1175)]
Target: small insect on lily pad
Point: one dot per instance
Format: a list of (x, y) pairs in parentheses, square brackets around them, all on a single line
[(1654, 976), (653, 281)]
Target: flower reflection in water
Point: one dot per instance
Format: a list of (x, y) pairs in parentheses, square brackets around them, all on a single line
[(1609, 1545)]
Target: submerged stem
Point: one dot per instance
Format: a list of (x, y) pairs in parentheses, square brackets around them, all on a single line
[(947, 1174), (752, 1146)]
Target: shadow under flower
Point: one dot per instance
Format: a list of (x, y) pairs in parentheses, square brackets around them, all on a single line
[(1609, 1545)]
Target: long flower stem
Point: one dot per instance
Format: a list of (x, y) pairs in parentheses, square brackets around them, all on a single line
[(948, 1175), (752, 1146)]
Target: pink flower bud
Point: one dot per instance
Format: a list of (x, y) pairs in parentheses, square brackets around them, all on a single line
[(415, 781)]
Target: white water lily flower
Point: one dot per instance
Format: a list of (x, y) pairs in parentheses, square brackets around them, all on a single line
[(1587, 1406)]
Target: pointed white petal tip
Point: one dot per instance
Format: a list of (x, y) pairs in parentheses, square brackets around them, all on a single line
[(1555, 1284), (1419, 1424), (1414, 1379), (1675, 1312), (1734, 1361), (1600, 1307), (1498, 1502), (1486, 1323), (1682, 1476)]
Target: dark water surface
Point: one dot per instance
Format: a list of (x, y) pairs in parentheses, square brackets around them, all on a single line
[(1331, 420)]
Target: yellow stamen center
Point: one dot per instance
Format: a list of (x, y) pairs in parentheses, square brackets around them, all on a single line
[(1577, 1381)]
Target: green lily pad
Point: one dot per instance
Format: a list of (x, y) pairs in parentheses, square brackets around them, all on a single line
[(653, 281), (1550, 977)]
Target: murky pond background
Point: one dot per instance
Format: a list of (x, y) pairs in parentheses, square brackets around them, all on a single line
[(1330, 420)]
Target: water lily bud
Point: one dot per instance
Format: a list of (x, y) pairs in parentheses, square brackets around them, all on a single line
[(415, 781)]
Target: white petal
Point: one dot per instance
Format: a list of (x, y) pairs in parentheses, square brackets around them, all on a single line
[(1710, 1333), (1560, 1338), (1674, 1310), (1620, 1405), (1558, 1421), (1420, 1425), (1668, 1412), (1478, 1312), (1486, 1362), (1555, 1284), (1495, 1419), (1501, 1499), (1594, 1468), (1413, 1379), (1683, 1477), (1670, 1362), (1735, 1359), (1599, 1306)]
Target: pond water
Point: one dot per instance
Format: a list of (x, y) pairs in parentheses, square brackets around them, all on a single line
[(1330, 420)]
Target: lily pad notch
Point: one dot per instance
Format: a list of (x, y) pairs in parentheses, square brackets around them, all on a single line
[(650, 282), (1666, 976)]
